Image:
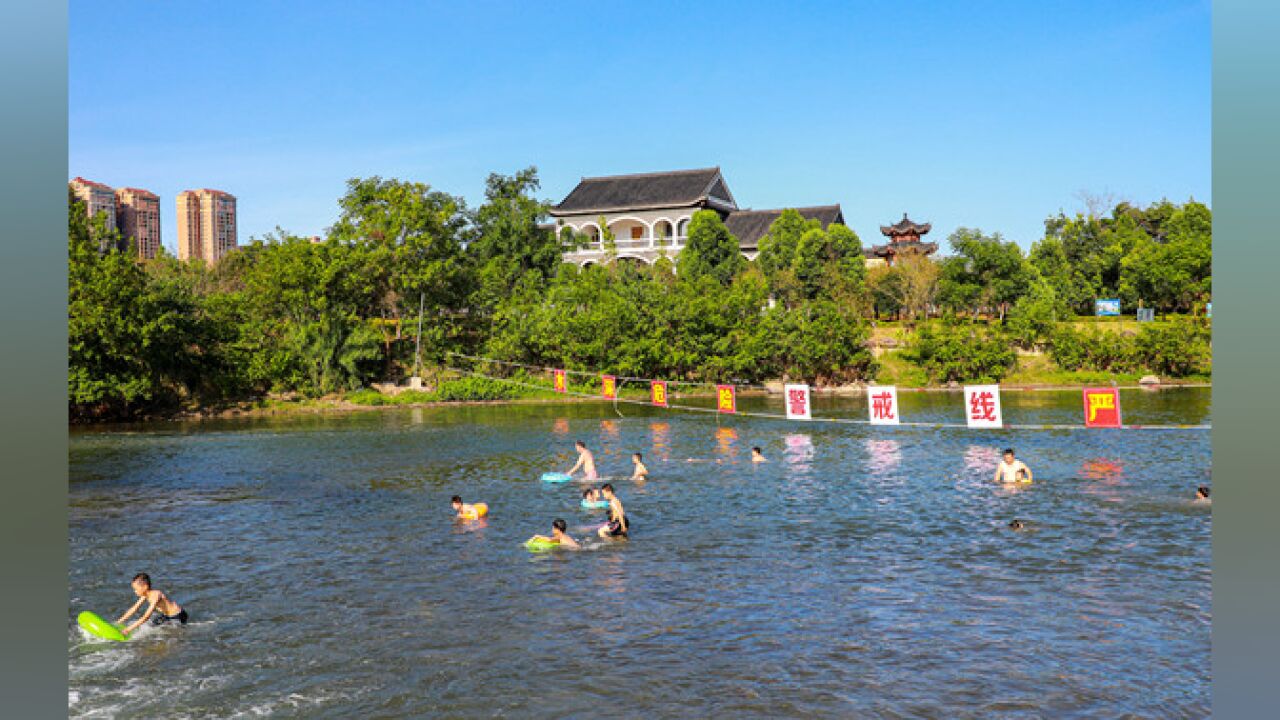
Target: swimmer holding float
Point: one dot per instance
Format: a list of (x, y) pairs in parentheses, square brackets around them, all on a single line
[(1011, 471), (586, 461), (558, 538), (468, 512)]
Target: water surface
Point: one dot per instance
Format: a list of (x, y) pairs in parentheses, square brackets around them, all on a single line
[(862, 572)]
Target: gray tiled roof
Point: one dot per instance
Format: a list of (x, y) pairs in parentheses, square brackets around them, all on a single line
[(748, 226), (680, 188)]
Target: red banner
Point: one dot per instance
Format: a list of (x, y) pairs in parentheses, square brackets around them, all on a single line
[(558, 382), (726, 399), (658, 393), (609, 386), (1102, 407)]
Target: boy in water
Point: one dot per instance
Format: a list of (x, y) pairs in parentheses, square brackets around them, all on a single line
[(586, 461), (464, 510), (617, 525), (1011, 470), (158, 604), (558, 535), (1202, 494), (757, 456), (591, 495), (640, 472)]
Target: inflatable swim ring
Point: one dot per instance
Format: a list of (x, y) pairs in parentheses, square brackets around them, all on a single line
[(555, 477), (595, 504), (478, 510), (539, 544), (100, 628)]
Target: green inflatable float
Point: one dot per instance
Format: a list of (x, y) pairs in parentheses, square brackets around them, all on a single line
[(100, 628)]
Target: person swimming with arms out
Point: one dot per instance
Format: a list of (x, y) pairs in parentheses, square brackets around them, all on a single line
[(586, 461), (757, 456), (1010, 470), (618, 525), (638, 472), (159, 605), (558, 536)]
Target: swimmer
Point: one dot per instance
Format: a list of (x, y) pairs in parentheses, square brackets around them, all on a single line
[(586, 461), (757, 456), (1017, 525), (1011, 470), (158, 604), (465, 511), (640, 472), (591, 495), (1202, 494), (618, 525), (558, 535)]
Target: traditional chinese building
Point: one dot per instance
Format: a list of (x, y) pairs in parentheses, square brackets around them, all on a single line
[(904, 239), (649, 213)]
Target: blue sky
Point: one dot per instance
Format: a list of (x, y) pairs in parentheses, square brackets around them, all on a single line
[(986, 114)]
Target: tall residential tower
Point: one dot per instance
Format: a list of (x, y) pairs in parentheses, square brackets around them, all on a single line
[(206, 224), (138, 214), (97, 198)]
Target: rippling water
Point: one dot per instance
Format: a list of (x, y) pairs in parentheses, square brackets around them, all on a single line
[(861, 573)]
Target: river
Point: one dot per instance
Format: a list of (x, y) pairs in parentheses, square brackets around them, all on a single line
[(861, 572)]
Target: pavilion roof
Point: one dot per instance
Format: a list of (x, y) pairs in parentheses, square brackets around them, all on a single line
[(905, 226)]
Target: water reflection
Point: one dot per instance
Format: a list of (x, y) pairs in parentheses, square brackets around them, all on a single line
[(883, 456)]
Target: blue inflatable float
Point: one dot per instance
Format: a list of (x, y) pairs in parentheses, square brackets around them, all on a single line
[(555, 477)]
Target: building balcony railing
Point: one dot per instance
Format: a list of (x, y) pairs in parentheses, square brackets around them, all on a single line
[(637, 244)]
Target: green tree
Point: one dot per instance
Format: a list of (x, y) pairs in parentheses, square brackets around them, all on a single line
[(711, 250)]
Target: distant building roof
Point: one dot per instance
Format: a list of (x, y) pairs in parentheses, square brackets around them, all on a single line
[(81, 181), (679, 188), (905, 227), (139, 192), (748, 226)]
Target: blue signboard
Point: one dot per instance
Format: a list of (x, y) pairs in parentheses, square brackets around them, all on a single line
[(1208, 309), (1106, 307)]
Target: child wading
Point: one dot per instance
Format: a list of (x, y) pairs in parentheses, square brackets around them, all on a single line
[(160, 609), (618, 526)]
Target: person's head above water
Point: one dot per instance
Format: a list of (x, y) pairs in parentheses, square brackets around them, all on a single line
[(1202, 492), (141, 583), (756, 450), (607, 489), (580, 445), (637, 457), (1008, 454), (456, 501), (1016, 525), (559, 525)]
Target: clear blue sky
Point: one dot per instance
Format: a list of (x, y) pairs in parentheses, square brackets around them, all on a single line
[(984, 114)]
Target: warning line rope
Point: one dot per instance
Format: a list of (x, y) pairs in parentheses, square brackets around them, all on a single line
[(830, 420)]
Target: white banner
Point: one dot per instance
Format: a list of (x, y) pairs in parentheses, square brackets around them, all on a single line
[(796, 398), (982, 406), (882, 405)]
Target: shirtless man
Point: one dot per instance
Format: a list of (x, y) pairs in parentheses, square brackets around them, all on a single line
[(559, 535), (640, 472), (1011, 470), (158, 604), (618, 526), (586, 461)]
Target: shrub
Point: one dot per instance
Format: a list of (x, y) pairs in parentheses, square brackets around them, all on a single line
[(948, 352), (1093, 349), (1175, 349)]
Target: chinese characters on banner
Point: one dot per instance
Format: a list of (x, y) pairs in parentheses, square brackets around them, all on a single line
[(609, 386), (982, 406), (797, 399), (882, 403), (726, 399), (557, 381), (1102, 407), (658, 393)]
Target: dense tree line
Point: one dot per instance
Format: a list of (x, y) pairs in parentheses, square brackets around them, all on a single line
[(285, 314)]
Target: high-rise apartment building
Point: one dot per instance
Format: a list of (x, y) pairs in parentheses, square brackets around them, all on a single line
[(97, 198), (138, 215), (206, 224)]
